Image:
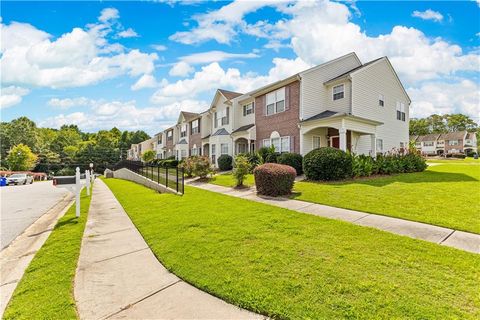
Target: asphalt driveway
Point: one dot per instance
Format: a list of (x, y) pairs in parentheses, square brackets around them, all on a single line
[(24, 204)]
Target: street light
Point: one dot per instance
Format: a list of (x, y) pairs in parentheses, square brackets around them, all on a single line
[(91, 168)]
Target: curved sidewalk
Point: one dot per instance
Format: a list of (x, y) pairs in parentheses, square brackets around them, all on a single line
[(118, 276), (449, 237)]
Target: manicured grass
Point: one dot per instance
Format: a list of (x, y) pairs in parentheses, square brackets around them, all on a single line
[(227, 180), (46, 289), (289, 265), (446, 194)]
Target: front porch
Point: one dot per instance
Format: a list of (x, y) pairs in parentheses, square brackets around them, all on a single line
[(342, 131)]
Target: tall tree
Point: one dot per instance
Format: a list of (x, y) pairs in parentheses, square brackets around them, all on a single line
[(460, 122), (419, 127), (21, 158), (437, 123)]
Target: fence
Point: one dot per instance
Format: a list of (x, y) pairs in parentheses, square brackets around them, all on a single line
[(169, 177)]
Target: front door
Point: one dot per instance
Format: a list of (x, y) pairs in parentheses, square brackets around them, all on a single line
[(334, 142)]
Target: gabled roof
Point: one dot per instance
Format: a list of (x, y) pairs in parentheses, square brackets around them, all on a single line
[(343, 75), (454, 135), (221, 132), (229, 95), (188, 116), (413, 138), (327, 114), (243, 128), (322, 115), (183, 141), (429, 137)]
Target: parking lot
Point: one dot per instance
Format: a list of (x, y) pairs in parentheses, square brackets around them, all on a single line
[(23, 204)]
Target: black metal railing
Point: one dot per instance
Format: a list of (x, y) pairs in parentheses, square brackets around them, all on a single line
[(172, 178)]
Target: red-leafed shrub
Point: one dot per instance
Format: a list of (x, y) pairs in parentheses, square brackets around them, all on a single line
[(272, 179)]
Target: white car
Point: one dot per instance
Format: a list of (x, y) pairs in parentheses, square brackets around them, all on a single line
[(20, 178)]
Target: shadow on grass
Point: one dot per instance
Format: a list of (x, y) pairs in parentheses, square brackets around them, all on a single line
[(69, 221), (416, 177)]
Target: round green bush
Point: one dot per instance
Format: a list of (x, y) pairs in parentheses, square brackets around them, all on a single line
[(225, 162), (272, 157), (294, 160), (327, 164), (273, 179)]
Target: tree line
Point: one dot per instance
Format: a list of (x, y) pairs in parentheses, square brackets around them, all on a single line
[(24, 146), (443, 124)]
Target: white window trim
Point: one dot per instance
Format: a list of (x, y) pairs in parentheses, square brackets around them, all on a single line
[(381, 97), (221, 148), (319, 142), (333, 91), (275, 92), (269, 142)]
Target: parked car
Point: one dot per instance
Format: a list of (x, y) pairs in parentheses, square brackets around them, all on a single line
[(20, 178)]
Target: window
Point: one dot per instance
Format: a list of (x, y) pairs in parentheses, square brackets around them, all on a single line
[(248, 109), (379, 145), (199, 151), (224, 148), (159, 139), (183, 153), (338, 92), (221, 117), (453, 142), (195, 126), (281, 144), (193, 152), (213, 154), (242, 148), (170, 135), (316, 142), (213, 149), (183, 132), (400, 111), (428, 143), (276, 101), (381, 100)]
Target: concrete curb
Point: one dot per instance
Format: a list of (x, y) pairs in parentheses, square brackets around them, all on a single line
[(15, 258)]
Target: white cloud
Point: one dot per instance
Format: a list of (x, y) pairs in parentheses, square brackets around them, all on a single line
[(181, 69), (215, 56), (213, 76), (158, 47), (129, 33), (11, 96), (145, 81), (68, 103), (442, 98), (125, 115), (31, 57), (108, 14), (428, 14)]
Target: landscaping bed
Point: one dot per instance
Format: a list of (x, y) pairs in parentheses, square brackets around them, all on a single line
[(46, 289), (289, 265)]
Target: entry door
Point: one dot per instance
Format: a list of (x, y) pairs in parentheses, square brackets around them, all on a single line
[(335, 142)]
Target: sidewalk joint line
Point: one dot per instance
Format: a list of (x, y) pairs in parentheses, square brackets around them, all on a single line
[(361, 218), (121, 255), (448, 236), (39, 233), (111, 232), (128, 306)]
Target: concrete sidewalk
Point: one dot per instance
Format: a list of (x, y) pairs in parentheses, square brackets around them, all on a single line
[(119, 277), (444, 236)]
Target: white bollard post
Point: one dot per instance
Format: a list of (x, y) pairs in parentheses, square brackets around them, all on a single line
[(77, 191), (87, 181)]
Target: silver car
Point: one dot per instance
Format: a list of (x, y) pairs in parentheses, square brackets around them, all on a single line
[(20, 178)]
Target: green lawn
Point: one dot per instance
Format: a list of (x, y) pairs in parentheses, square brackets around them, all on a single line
[(446, 194), (289, 265), (227, 180), (46, 289)]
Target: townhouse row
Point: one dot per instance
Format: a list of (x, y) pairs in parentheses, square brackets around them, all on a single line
[(342, 103), (436, 144)]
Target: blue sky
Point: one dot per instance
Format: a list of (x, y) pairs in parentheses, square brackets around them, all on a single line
[(135, 65)]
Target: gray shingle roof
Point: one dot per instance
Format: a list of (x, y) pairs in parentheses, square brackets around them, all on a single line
[(322, 115), (183, 141), (243, 128), (453, 135), (221, 132), (230, 94)]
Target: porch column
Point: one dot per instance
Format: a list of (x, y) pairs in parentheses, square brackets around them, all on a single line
[(248, 143), (373, 145), (343, 138)]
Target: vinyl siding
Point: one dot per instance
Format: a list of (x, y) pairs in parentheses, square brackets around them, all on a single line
[(241, 120), (367, 84), (315, 96)]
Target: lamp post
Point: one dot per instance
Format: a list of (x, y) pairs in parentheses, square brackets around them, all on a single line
[(91, 168)]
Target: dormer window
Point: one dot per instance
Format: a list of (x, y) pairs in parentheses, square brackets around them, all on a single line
[(338, 92)]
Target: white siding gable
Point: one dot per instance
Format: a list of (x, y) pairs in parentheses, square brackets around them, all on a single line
[(315, 96)]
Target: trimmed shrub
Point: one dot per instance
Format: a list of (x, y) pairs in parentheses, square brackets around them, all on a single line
[(458, 155), (294, 160), (188, 166), (225, 162), (202, 167), (327, 163), (272, 157), (273, 179), (169, 163), (241, 169)]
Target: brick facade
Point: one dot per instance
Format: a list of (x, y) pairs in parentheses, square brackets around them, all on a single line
[(285, 123), (195, 139)]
